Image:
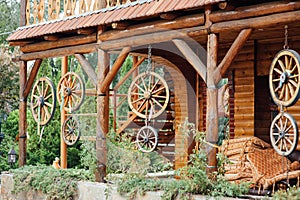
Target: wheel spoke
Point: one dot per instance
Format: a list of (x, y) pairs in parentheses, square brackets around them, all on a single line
[(282, 93), (281, 65), (291, 89), (278, 71)]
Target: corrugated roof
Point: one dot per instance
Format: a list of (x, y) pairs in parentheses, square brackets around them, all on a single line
[(129, 11)]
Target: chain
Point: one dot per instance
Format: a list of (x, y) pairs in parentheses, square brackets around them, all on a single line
[(148, 69), (286, 46)]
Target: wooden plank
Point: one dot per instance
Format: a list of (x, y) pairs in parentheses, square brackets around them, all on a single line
[(191, 57), (87, 68)]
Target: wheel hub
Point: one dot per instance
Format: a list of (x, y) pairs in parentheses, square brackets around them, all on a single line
[(69, 91), (283, 78), (147, 95), (41, 101), (281, 134)]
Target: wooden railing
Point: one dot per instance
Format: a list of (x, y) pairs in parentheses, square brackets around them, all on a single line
[(38, 11)]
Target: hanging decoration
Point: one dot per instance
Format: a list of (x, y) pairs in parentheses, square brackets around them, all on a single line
[(43, 101), (70, 92), (148, 96), (284, 86), (71, 131)]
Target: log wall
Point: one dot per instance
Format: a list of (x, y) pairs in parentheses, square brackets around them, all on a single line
[(243, 87)]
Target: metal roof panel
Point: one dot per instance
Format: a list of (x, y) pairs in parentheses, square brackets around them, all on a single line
[(133, 10)]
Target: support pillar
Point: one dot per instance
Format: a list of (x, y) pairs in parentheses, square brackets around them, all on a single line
[(102, 116), (22, 114), (212, 103), (63, 145)]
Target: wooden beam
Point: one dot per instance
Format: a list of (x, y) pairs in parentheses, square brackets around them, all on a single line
[(256, 22), (231, 54), (87, 68), (54, 42), (191, 57), (115, 68), (22, 115), (31, 77), (253, 10), (102, 117), (23, 5), (212, 103), (138, 63), (63, 118), (51, 38), (140, 40), (161, 25), (65, 51)]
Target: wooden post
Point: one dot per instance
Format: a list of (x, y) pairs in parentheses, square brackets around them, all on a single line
[(212, 103), (22, 114), (63, 145), (23, 101), (102, 116)]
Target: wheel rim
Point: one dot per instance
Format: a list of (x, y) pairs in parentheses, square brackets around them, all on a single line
[(43, 101), (146, 139), (70, 92), (148, 95), (284, 134), (71, 131), (284, 78)]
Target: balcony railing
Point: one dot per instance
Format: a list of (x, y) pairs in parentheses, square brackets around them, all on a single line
[(38, 11)]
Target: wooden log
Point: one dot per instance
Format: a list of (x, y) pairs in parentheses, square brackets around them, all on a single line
[(254, 11), (63, 118), (102, 117), (22, 115), (162, 25), (115, 68), (57, 43), (256, 22), (212, 103), (87, 68), (65, 51), (191, 57), (231, 54), (31, 77), (136, 65)]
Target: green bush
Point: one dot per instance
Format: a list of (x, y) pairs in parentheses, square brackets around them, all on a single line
[(57, 184)]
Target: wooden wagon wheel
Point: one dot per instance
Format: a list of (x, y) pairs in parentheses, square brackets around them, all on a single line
[(70, 91), (71, 132), (284, 134), (284, 78), (147, 139), (43, 101), (148, 95)]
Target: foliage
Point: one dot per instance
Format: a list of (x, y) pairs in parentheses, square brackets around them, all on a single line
[(59, 184), (9, 76), (9, 18), (192, 179), (123, 157), (292, 193)]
